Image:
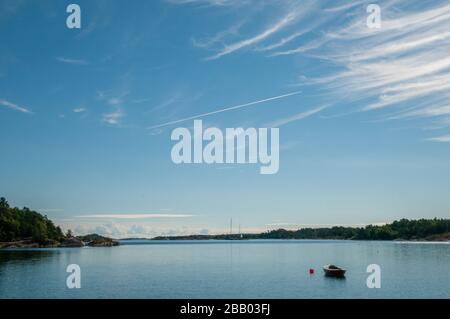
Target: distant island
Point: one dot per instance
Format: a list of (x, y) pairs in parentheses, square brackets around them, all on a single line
[(24, 228), (404, 229)]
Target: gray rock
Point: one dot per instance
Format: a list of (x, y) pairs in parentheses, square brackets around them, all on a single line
[(72, 242)]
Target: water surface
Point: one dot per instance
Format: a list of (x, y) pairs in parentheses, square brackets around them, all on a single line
[(229, 269)]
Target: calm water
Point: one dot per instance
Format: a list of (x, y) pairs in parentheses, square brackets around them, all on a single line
[(244, 269)]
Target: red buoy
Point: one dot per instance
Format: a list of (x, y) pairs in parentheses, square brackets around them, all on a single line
[(311, 271)]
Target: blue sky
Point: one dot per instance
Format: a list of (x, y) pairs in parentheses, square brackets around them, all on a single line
[(366, 140)]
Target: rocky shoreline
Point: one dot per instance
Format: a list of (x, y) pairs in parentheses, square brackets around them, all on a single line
[(74, 242)]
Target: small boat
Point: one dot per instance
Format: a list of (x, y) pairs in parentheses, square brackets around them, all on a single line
[(334, 271)]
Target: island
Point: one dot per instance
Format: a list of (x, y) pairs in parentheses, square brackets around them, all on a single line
[(404, 229), (24, 228)]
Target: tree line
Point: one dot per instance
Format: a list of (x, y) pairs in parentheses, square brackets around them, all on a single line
[(401, 229), (421, 229), (20, 224)]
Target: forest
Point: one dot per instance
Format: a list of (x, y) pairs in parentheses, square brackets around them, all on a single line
[(20, 224), (404, 229)]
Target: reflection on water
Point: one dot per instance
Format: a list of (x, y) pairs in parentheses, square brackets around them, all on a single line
[(229, 269), (30, 256), (335, 277)]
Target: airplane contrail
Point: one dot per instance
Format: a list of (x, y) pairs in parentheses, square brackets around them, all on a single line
[(225, 109)]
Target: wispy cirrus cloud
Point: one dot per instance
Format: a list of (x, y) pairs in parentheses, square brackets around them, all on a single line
[(49, 210), (402, 68), (276, 27), (134, 216), (11, 7), (297, 117), (114, 117), (79, 110), (441, 139), (72, 61), (15, 107), (288, 14), (113, 98), (221, 3), (283, 41), (115, 101)]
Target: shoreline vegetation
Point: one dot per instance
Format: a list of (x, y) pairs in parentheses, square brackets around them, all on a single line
[(24, 228), (401, 230)]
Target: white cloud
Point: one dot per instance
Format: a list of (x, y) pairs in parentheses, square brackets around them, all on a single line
[(113, 97), (115, 101), (297, 117), (14, 107), (131, 229), (134, 216), (279, 25), (398, 63), (220, 3), (114, 117), (403, 66), (292, 12), (283, 41), (79, 110), (72, 61), (442, 139), (50, 210)]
